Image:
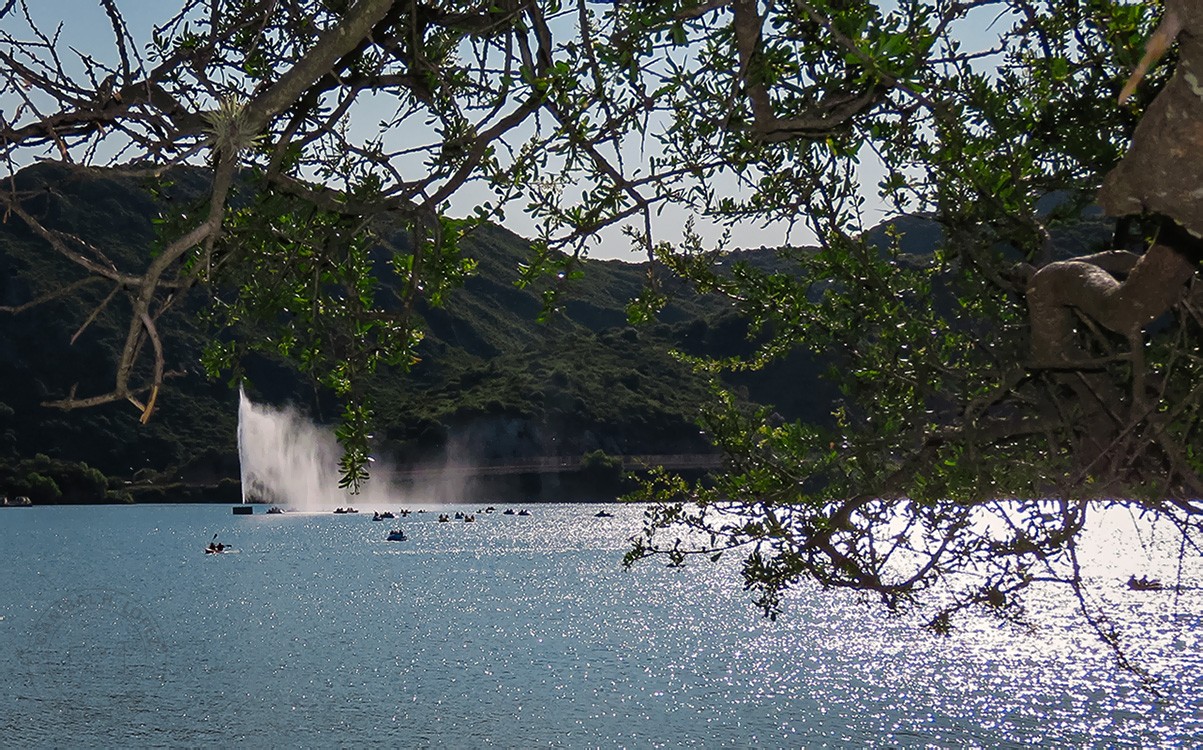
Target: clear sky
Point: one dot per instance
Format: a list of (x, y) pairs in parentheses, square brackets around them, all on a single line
[(83, 26)]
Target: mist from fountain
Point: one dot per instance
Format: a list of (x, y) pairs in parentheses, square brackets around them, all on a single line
[(286, 459)]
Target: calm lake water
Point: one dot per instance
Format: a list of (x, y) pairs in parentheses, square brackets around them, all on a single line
[(116, 630)]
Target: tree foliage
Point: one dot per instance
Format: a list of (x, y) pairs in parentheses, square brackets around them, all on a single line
[(338, 132), (994, 370)]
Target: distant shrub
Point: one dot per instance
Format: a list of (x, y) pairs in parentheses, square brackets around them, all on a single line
[(41, 487), (119, 496)]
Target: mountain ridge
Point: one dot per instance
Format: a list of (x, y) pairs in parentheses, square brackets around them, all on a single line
[(586, 382)]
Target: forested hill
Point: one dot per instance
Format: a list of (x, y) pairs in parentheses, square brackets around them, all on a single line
[(493, 383)]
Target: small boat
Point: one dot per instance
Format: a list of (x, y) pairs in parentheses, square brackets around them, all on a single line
[(508, 512), (603, 514), (274, 509), (1144, 583), (524, 512), (340, 511), (216, 549), (396, 535)]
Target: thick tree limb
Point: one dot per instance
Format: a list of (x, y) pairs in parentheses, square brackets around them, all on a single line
[(834, 112), (1156, 283)]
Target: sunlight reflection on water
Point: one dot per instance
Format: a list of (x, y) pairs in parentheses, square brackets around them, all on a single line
[(516, 632)]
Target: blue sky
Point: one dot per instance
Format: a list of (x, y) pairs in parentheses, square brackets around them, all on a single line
[(84, 27)]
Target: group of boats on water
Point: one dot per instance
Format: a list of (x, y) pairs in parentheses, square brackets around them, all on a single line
[(398, 535), (16, 502)]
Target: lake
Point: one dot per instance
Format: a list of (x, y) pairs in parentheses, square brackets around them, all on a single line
[(513, 631)]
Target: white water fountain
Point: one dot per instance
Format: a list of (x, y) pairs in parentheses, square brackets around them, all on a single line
[(286, 459)]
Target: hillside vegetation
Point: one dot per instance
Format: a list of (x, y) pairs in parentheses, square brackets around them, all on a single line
[(493, 382)]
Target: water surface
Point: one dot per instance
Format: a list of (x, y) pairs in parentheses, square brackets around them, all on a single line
[(116, 629)]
